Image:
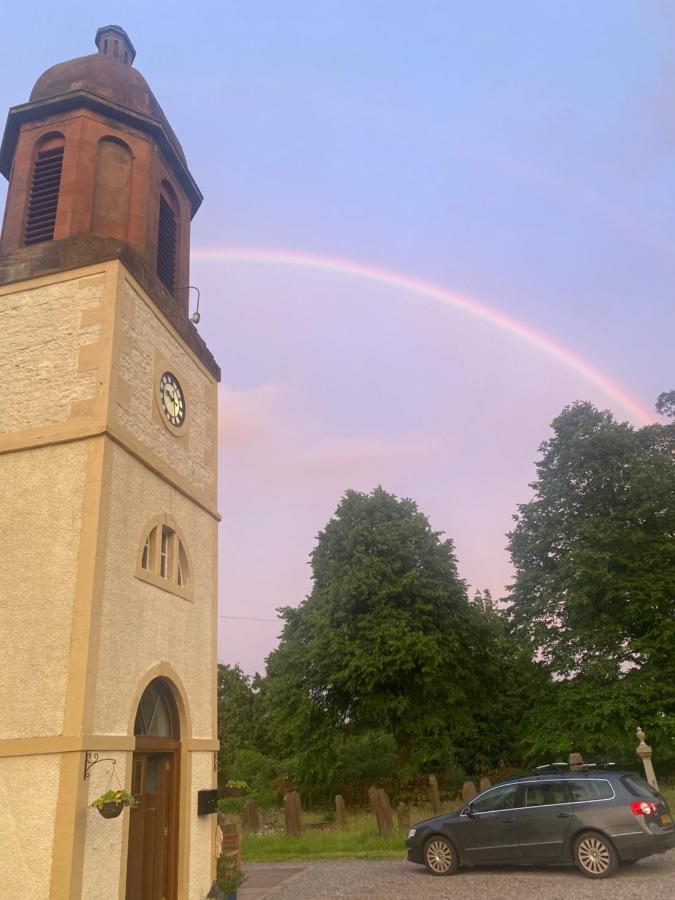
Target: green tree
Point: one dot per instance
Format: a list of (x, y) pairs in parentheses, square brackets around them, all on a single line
[(513, 688), (594, 589), (383, 642), (236, 716)]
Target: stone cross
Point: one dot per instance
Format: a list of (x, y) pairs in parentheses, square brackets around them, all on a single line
[(644, 751)]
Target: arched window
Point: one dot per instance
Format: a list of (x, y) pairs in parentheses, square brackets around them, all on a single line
[(157, 716), (167, 237), (43, 200), (112, 188), (163, 559)]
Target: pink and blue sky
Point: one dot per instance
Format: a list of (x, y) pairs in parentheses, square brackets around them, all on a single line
[(428, 226)]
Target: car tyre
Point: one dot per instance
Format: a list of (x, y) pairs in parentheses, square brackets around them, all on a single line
[(440, 857), (595, 856)]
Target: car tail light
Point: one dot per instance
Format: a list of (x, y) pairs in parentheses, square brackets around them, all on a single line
[(643, 808)]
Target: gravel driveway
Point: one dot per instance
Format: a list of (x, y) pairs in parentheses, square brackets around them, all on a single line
[(652, 878)]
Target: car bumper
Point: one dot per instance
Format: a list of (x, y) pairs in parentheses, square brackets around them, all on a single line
[(414, 848), (639, 845)]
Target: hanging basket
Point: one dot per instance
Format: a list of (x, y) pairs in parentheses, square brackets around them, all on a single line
[(234, 792), (111, 810)]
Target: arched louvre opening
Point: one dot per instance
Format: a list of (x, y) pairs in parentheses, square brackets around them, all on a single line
[(44, 194), (167, 242)]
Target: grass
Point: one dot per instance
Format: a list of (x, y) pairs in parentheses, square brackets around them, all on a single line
[(360, 841)]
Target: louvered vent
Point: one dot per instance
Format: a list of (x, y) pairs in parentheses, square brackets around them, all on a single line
[(166, 245), (44, 196)]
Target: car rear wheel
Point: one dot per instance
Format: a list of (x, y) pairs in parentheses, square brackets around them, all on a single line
[(440, 856), (595, 855)]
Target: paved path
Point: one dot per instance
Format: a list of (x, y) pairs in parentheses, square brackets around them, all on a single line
[(393, 879)]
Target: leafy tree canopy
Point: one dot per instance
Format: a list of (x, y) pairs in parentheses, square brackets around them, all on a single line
[(384, 640), (594, 589)]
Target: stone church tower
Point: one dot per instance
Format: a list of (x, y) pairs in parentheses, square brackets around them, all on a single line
[(108, 521)]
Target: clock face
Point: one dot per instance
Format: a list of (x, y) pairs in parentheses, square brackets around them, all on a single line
[(172, 398)]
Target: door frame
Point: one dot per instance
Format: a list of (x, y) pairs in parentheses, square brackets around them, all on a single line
[(170, 749), (177, 748)]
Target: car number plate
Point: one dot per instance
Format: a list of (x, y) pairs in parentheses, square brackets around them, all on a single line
[(666, 820)]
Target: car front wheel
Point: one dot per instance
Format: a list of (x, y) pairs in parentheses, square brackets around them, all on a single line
[(595, 855), (440, 856)]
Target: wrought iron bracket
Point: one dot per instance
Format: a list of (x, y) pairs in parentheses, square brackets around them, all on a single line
[(90, 760)]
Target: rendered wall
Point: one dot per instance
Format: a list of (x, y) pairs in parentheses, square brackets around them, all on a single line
[(145, 624), (28, 792), (40, 519)]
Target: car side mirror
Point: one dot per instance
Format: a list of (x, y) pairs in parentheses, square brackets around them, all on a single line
[(470, 811)]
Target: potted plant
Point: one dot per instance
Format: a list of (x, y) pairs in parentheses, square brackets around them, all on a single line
[(111, 804), (236, 788), (229, 877)]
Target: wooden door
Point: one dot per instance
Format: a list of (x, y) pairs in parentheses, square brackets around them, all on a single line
[(150, 865)]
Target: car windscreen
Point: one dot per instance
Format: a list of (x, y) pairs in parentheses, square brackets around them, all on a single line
[(638, 786)]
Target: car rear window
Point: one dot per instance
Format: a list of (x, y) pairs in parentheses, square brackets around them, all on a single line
[(639, 787), (591, 789), (546, 793)]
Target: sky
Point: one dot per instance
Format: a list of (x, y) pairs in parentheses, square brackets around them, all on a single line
[(428, 226)]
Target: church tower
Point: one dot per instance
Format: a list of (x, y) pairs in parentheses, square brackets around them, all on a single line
[(108, 519)]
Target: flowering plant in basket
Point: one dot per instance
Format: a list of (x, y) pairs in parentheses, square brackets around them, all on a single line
[(111, 804)]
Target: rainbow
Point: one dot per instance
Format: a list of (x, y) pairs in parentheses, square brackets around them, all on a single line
[(460, 302)]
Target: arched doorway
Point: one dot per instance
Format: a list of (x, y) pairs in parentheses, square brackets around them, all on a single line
[(153, 823)]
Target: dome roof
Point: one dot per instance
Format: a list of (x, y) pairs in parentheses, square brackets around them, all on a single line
[(108, 78)]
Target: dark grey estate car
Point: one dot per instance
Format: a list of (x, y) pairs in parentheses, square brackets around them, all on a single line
[(596, 818)]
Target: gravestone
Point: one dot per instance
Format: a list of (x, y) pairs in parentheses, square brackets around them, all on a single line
[(340, 813), (485, 783), (435, 796), (250, 817), (385, 819), (372, 792), (293, 814), (403, 817), (468, 791), (576, 762)]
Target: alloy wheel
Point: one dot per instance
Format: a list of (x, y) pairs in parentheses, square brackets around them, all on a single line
[(439, 856), (594, 855)]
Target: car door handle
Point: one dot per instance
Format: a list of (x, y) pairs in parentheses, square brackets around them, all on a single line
[(564, 815)]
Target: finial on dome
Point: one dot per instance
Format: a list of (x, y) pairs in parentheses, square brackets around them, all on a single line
[(114, 42)]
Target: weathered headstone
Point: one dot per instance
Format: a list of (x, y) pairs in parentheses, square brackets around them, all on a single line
[(340, 813), (576, 762), (293, 813), (435, 796), (372, 793), (468, 791), (250, 817), (403, 817), (385, 819), (485, 783)]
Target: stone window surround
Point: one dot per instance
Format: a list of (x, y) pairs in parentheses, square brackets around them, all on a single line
[(176, 554)]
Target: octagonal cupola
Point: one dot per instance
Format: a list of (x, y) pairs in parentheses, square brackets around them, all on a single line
[(94, 164)]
